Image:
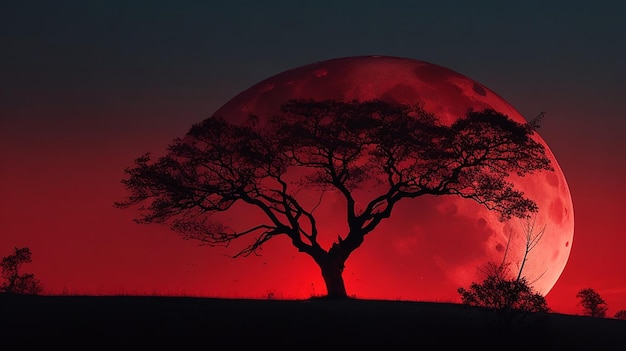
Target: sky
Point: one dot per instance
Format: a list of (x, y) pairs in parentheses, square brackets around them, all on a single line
[(87, 86)]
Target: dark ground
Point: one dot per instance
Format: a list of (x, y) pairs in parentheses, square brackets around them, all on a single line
[(181, 323)]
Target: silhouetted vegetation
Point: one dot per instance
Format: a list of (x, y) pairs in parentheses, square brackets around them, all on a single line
[(531, 238), (505, 294), (621, 314), (398, 151), (14, 281), (592, 303), (504, 290)]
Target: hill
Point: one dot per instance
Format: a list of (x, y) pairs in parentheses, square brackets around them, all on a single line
[(114, 322)]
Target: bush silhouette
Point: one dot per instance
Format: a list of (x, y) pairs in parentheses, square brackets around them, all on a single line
[(592, 303), (504, 294), (14, 282)]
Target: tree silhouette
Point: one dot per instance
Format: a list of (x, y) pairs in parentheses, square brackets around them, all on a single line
[(394, 151), (531, 239), (504, 290), (14, 282), (592, 303), (621, 314), (502, 293)]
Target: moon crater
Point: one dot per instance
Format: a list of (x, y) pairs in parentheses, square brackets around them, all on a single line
[(478, 89)]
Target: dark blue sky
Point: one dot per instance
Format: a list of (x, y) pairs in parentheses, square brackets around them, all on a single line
[(533, 48), (108, 80)]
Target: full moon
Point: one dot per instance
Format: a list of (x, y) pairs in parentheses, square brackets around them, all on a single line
[(430, 246)]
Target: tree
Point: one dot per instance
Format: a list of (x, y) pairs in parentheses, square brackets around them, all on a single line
[(399, 151), (14, 282), (502, 293), (621, 314), (592, 303), (531, 239), (504, 290)]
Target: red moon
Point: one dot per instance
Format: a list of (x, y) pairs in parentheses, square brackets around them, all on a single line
[(430, 246)]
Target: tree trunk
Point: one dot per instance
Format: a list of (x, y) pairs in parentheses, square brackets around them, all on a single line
[(332, 272)]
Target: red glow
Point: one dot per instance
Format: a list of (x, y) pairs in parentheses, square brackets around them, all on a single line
[(59, 189)]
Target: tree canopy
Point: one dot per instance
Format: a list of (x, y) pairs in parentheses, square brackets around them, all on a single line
[(592, 303), (400, 151)]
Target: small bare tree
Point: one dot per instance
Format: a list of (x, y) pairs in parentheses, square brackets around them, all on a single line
[(504, 290), (14, 282), (592, 303), (531, 239)]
